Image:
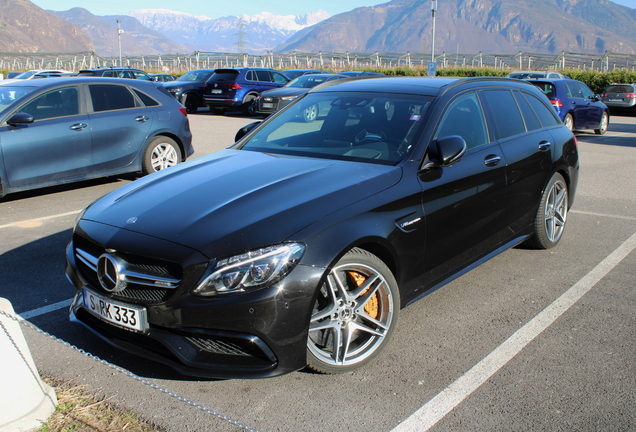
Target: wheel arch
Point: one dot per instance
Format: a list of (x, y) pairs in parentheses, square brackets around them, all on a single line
[(250, 94), (170, 135)]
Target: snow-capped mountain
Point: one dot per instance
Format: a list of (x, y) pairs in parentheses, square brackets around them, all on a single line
[(261, 32)]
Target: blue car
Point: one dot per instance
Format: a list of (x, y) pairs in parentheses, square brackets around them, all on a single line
[(577, 105), (236, 89), (63, 130)]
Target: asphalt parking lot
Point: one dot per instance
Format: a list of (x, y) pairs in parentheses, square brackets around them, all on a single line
[(531, 340)]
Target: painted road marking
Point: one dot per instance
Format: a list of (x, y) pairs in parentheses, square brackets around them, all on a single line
[(438, 407), (46, 309), (34, 222)]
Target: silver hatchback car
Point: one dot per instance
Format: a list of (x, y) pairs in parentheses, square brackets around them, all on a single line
[(620, 97)]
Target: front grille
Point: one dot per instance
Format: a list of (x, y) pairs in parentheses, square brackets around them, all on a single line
[(216, 346), (148, 280)]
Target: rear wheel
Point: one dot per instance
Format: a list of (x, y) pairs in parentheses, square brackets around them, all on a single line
[(354, 314), (602, 127), (162, 152), (248, 107), (553, 210)]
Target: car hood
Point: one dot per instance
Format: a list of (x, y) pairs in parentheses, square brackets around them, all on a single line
[(234, 200), (285, 91)]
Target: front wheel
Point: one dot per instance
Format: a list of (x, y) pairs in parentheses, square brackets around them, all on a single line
[(553, 210), (568, 121), (162, 152), (354, 314), (602, 127), (191, 104)]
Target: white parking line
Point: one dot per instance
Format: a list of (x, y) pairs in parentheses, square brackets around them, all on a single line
[(46, 309), (26, 222), (631, 218), (437, 408)]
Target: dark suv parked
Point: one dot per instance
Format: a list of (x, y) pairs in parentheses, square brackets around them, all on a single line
[(117, 73), (188, 89), (236, 89)]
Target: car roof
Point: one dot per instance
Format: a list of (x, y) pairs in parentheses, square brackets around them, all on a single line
[(65, 80), (415, 85)]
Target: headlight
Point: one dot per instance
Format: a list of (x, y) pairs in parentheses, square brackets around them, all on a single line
[(251, 270), (289, 98)]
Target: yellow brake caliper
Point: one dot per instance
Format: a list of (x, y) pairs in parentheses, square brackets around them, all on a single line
[(372, 306)]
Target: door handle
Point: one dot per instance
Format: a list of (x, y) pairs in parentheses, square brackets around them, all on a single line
[(544, 145), (142, 119), (492, 160), (79, 126)]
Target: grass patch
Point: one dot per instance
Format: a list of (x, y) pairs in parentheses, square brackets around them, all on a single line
[(80, 410)]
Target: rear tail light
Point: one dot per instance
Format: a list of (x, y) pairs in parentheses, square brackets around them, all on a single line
[(576, 144), (604, 95), (631, 96), (233, 86), (556, 103), (183, 111)]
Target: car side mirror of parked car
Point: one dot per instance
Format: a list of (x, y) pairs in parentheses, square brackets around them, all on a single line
[(245, 130), (445, 152), (20, 118), (597, 98)]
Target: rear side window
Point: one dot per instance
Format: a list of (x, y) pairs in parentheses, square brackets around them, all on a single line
[(573, 90), (141, 76), (110, 74), (506, 116), (111, 97), (263, 76), (548, 89), (251, 76), (465, 118), (147, 100), (546, 115), (532, 122)]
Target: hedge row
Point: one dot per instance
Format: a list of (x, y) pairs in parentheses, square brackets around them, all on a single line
[(597, 81)]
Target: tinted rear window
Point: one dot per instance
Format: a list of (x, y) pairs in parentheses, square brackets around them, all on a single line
[(620, 89), (546, 114), (87, 73), (224, 76), (547, 88)]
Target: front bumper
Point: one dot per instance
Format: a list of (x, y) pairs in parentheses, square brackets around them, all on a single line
[(250, 335)]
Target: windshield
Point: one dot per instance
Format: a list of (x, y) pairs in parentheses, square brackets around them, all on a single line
[(25, 75), (196, 75), (367, 127), (308, 81), (9, 95)]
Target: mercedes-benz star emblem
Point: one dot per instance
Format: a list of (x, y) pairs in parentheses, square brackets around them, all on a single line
[(109, 272)]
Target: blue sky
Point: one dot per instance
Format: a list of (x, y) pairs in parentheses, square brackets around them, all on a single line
[(219, 8)]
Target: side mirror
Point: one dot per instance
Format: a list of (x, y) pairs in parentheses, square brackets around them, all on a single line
[(597, 98), (20, 118), (245, 130), (445, 151)]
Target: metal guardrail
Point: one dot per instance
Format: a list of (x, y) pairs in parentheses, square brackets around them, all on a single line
[(181, 63)]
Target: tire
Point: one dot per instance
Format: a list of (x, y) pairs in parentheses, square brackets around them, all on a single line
[(602, 127), (568, 121), (549, 224), (310, 113), (162, 152), (248, 107), (361, 319), (191, 104)]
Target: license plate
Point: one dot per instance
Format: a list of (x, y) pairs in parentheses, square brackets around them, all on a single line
[(616, 100), (114, 312), (268, 105), (217, 91)]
